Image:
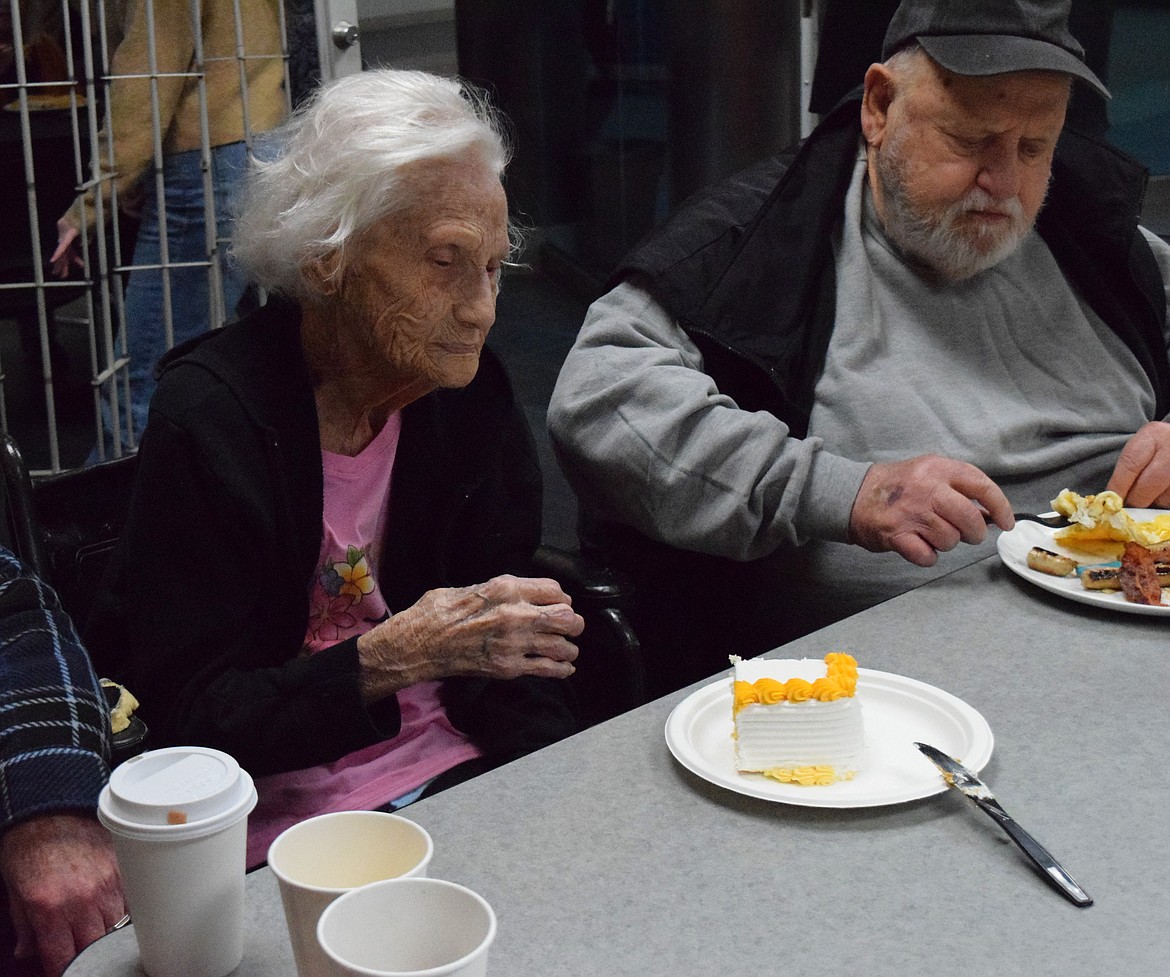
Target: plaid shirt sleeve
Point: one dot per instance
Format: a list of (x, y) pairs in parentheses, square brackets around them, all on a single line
[(54, 724)]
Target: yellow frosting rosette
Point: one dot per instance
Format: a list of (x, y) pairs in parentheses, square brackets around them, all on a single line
[(838, 682)]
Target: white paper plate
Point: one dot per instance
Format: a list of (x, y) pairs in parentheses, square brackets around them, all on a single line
[(897, 712), (1013, 549)]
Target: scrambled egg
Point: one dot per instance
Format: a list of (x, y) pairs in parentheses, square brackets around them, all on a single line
[(1101, 525), (123, 709)]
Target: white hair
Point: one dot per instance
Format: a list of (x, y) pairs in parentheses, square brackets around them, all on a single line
[(339, 167), (909, 65)]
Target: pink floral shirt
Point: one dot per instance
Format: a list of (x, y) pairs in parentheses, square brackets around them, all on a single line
[(345, 600)]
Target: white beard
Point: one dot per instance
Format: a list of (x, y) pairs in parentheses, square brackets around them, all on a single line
[(940, 239)]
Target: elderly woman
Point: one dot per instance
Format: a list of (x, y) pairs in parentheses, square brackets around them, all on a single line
[(331, 491)]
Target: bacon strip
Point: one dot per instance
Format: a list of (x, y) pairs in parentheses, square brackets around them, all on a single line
[(1139, 576)]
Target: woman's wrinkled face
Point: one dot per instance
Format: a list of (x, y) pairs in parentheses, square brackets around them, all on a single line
[(421, 285)]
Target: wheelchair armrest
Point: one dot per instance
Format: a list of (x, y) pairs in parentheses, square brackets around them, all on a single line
[(20, 518), (581, 578), (610, 677)]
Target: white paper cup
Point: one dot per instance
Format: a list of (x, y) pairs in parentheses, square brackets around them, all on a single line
[(408, 928), (324, 857), (179, 820)]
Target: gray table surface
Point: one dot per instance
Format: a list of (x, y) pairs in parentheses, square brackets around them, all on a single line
[(603, 856)]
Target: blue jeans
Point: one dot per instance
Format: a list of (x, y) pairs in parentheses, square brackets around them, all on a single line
[(190, 292)]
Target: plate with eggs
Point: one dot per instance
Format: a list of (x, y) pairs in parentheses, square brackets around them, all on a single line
[(1083, 561)]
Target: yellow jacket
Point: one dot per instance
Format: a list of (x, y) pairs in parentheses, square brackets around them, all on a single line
[(179, 119)]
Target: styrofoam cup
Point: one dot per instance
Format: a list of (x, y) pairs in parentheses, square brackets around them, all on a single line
[(408, 928), (179, 821), (324, 857)]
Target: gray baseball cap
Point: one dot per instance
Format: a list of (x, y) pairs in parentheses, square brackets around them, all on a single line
[(992, 37)]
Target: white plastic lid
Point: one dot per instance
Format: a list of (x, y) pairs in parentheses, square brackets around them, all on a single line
[(180, 791)]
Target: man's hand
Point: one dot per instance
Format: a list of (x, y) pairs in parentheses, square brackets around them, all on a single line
[(925, 506), (68, 253), (505, 628), (63, 886), (1142, 474)]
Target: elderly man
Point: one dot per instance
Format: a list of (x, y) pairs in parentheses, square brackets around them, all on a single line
[(939, 309), (61, 880)]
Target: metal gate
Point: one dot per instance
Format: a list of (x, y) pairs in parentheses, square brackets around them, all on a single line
[(65, 350)]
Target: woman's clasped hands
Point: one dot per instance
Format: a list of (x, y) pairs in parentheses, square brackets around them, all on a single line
[(504, 628)]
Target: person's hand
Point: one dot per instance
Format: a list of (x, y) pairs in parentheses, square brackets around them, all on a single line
[(68, 253), (1142, 474), (63, 886), (505, 628), (924, 506)]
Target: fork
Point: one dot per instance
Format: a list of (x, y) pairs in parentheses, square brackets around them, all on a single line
[(1052, 522)]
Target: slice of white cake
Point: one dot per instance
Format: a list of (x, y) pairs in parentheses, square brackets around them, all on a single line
[(798, 721)]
